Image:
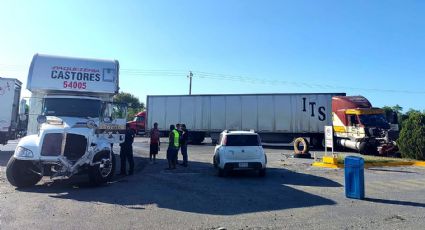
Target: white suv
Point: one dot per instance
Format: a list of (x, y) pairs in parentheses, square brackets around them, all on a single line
[(239, 150)]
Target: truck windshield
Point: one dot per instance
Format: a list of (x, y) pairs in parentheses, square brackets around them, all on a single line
[(374, 120), (139, 119), (71, 107)]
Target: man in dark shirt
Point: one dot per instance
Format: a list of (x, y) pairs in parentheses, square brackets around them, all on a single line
[(126, 152), (183, 144), (179, 129)]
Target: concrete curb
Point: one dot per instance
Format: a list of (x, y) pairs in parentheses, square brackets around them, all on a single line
[(326, 165), (369, 165)]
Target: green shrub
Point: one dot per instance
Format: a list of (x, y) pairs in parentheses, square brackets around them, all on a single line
[(412, 136)]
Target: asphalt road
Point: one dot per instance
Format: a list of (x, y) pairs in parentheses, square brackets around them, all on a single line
[(293, 195)]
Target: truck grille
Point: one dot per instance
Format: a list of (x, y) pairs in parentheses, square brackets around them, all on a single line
[(75, 146), (52, 144)]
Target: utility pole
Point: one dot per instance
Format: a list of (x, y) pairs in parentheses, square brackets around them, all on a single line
[(190, 82)]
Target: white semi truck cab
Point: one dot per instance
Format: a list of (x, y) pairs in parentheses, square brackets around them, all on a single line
[(73, 121)]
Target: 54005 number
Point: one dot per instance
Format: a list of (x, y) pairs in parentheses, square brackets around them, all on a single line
[(74, 85)]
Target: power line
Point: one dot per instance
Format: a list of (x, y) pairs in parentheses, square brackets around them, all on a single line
[(302, 84), (135, 72)]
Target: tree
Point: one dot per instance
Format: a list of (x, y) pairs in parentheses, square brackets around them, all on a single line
[(412, 141), (134, 104)]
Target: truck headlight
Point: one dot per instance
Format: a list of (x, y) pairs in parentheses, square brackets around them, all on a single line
[(23, 152), (91, 124)]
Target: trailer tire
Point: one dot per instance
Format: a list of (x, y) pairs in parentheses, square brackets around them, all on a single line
[(196, 138), (304, 142), (323, 143), (21, 173), (214, 141), (99, 175)]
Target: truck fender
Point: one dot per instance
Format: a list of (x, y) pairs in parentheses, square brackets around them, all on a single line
[(99, 155), (101, 148), (31, 143)]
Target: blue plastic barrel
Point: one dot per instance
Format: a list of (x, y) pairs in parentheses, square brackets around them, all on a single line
[(354, 177)]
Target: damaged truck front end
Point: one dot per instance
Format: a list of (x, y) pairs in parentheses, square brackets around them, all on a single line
[(361, 127), (70, 141)]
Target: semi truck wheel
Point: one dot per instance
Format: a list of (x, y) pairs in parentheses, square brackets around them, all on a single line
[(103, 172), (214, 141), (21, 173), (317, 142), (363, 148), (196, 138), (297, 145), (366, 148)]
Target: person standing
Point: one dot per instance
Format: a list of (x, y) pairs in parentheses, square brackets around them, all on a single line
[(179, 129), (126, 152), (173, 147), (183, 144), (154, 143)]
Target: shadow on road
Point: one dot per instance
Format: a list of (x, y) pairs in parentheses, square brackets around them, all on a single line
[(195, 189), (396, 202), (4, 157)]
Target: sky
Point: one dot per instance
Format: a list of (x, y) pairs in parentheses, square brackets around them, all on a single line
[(360, 47)]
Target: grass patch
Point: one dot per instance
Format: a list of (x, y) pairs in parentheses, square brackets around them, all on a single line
[(374, 159)]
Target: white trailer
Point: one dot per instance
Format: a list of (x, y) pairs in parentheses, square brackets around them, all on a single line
[(72, 121), (278, 118), (10, 92)]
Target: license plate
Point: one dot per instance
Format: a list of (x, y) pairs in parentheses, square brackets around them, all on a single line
[(243, 165)]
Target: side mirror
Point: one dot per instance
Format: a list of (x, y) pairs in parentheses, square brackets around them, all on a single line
[(22, 106), (22, 117), (41, 119)]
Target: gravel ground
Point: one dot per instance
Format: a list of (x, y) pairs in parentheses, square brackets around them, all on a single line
[(292, 195)]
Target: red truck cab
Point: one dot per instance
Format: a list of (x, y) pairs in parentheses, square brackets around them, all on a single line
[(138, 124), (360, 126)]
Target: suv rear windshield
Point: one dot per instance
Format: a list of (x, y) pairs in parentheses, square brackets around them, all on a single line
[(242, 140)]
